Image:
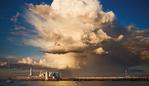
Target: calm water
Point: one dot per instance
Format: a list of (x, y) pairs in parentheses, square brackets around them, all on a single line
[(67, 83)]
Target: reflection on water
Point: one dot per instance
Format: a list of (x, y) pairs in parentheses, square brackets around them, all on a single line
[(73, 83), (60, 83)]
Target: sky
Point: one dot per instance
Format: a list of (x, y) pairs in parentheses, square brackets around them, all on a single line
[(80, 35), (135, 12)]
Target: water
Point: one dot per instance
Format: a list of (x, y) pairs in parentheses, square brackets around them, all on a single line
[(73, 83)]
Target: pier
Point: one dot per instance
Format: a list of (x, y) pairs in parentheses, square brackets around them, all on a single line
[(56, 76), (87, 79)]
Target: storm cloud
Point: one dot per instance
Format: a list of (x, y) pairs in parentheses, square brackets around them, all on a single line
[(78, 34)]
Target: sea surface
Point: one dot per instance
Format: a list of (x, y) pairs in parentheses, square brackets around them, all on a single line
[(74, 83)]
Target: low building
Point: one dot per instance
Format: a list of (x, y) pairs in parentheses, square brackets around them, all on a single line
[(54, 75)]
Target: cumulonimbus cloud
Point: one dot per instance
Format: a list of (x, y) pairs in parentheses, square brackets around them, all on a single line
[(69, 30)]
